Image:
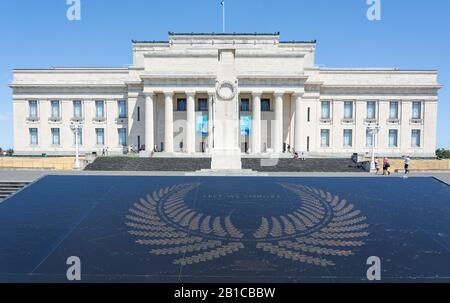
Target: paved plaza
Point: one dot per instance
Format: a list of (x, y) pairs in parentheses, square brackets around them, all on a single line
[(134, 227)]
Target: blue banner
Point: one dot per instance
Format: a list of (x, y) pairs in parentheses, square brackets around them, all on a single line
[(246, 125), (201, 125)]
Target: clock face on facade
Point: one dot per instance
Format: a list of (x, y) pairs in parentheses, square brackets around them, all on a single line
[(226, 90)]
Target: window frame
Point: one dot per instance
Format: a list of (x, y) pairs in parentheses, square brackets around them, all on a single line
[(81, 109), (348, 131), (53, 136), (181, 101), (396, 132), (124, 131), (202, 101), (30, 131), (122, 114), (265, 101), (328, 132), (322, 103), (419, 137)]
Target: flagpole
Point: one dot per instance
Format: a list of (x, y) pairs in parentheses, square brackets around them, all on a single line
[(223, 16)]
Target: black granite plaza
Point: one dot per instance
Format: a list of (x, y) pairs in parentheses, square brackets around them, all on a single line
[(226, 229)]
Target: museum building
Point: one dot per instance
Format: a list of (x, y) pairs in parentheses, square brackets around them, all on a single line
[(249, 93)]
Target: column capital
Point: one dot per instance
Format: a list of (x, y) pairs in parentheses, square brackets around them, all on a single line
[(278, 94), (298, 94), (190, 94), (149, 94), (168, 94), (256, 94)]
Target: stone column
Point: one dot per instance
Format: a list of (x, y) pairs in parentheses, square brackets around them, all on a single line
[(149, 123), (190, 123), (210, 122), (168, 129), (278, 132), (256, 123), (298, 122)]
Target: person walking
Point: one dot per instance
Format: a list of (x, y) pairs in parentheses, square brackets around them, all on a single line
[(386, 166), (407, 161), (377, 166)]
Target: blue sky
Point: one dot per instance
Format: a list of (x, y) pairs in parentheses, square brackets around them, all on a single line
[(412, 34)]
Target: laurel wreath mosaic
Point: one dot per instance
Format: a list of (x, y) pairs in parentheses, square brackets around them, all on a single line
[(322, 227)]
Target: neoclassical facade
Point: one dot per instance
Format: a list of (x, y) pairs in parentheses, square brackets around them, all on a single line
[(246, 93)]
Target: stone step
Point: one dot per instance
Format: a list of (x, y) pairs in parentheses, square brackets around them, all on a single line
[(199, 164)]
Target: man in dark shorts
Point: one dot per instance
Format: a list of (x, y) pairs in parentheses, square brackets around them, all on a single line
[(386, 166), (407, 160)]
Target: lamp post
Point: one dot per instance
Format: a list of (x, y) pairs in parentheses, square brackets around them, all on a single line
[(373, 129), (76, 128)]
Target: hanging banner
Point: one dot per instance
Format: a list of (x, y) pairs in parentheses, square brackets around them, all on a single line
[(201, 125), (246, 125)]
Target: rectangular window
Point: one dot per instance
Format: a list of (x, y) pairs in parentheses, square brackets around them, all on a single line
[(56, 139), (77, 109), (393, 138), (308, 114), (348, 138), (138, 114), (415, 138), (369, 138), (122, 106), (78, 136), (56, 112), (348, 110), (417, 110), (33, 108), (245, 105), (34, 136), (371, 110), (122, 136), (100, 109), (265, 105), (100, 135), (181, 105), (325, 138), (325, 110), (393, 110), (202, 105)]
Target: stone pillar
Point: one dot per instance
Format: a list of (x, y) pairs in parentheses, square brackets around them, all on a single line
[(256, 123), (149, 123), (168, 129), (210, 122), (190, 123), (298, 122), (278, 133)]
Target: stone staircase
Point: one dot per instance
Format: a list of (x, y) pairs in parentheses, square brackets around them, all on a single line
[(9, 188), (149, 164), (198, 164), (307, 165)]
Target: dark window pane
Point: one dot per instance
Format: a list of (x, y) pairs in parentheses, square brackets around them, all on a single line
[(245, 105), (265, 105), (181, 105)]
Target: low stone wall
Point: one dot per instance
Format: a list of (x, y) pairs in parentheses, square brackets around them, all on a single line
[(50, 163), (419, 165)]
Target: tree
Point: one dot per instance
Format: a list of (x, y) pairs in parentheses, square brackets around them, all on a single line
[(443, 153)]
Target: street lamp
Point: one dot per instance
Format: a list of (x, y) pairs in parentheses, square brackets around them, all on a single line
[(76, 128), (373, 129)]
